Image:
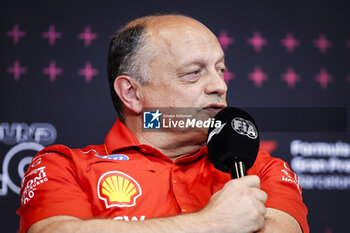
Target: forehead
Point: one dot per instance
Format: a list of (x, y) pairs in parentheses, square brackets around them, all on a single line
[(183, 39)]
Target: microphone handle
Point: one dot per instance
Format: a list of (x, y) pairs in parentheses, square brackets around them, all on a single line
[(237, 169)]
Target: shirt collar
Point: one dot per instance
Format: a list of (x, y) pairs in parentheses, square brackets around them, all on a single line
[(120, 137)]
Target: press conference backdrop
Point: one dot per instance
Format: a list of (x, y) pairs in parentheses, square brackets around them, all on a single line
[(279, 54)]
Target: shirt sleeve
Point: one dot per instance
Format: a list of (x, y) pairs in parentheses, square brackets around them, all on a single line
[(50, 188), (282, 187)]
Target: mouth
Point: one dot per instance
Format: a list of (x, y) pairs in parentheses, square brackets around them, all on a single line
[(214, 108)]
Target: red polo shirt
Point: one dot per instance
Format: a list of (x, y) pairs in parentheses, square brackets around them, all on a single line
[(124, 180)]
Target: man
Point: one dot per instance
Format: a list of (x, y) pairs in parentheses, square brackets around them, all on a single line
[(163, 179)]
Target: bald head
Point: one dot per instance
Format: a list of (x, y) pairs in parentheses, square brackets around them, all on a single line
[(136, 45), (162, 21), (164, 27)]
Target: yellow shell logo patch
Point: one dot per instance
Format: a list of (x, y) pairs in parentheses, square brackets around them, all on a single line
[(118, 189)]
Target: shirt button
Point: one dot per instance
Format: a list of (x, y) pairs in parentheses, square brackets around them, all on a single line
[(174, 181), (143, 150), (183, 210)]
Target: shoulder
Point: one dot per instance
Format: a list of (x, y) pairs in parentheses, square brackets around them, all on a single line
[(265, 161), (60, 159), (62, 151)]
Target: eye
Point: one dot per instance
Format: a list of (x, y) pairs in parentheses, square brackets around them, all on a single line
[(222, 70), (193, 76), (196, 72)]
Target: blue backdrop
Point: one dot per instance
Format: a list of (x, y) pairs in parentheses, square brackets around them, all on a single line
[(53, 83)]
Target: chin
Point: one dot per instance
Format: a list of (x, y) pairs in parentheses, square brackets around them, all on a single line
[(198, 138)]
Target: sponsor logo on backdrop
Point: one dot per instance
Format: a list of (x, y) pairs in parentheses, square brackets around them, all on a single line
[(23, 138), (118, 189), (321, 165), (14, 133), (268, 145)]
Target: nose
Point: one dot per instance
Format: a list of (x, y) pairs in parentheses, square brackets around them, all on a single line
[(216, 85)]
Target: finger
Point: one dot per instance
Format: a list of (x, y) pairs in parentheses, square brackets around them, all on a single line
[(259, 194), (260, 207), (251, 181), (259, 224)]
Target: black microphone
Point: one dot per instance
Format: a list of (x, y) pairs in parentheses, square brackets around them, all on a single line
[(233, 146)]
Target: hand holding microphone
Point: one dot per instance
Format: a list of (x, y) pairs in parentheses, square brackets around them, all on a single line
[(233, 147)]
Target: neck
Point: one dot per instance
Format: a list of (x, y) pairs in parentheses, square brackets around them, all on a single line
[(172, 144)]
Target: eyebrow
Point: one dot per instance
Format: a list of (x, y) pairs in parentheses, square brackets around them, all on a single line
[(200, 61)]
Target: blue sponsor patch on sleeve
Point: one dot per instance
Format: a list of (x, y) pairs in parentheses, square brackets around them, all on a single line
[(114, 157)]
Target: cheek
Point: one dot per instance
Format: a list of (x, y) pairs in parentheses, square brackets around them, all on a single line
[(172, 95), (188, 97), (158, 97)]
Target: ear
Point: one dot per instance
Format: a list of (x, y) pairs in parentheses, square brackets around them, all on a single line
[(126, 89)]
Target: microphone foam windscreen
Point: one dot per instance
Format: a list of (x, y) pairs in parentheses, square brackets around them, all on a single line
[(236, 139)]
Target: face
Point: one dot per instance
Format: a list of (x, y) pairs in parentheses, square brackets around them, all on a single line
[(187, 70)]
